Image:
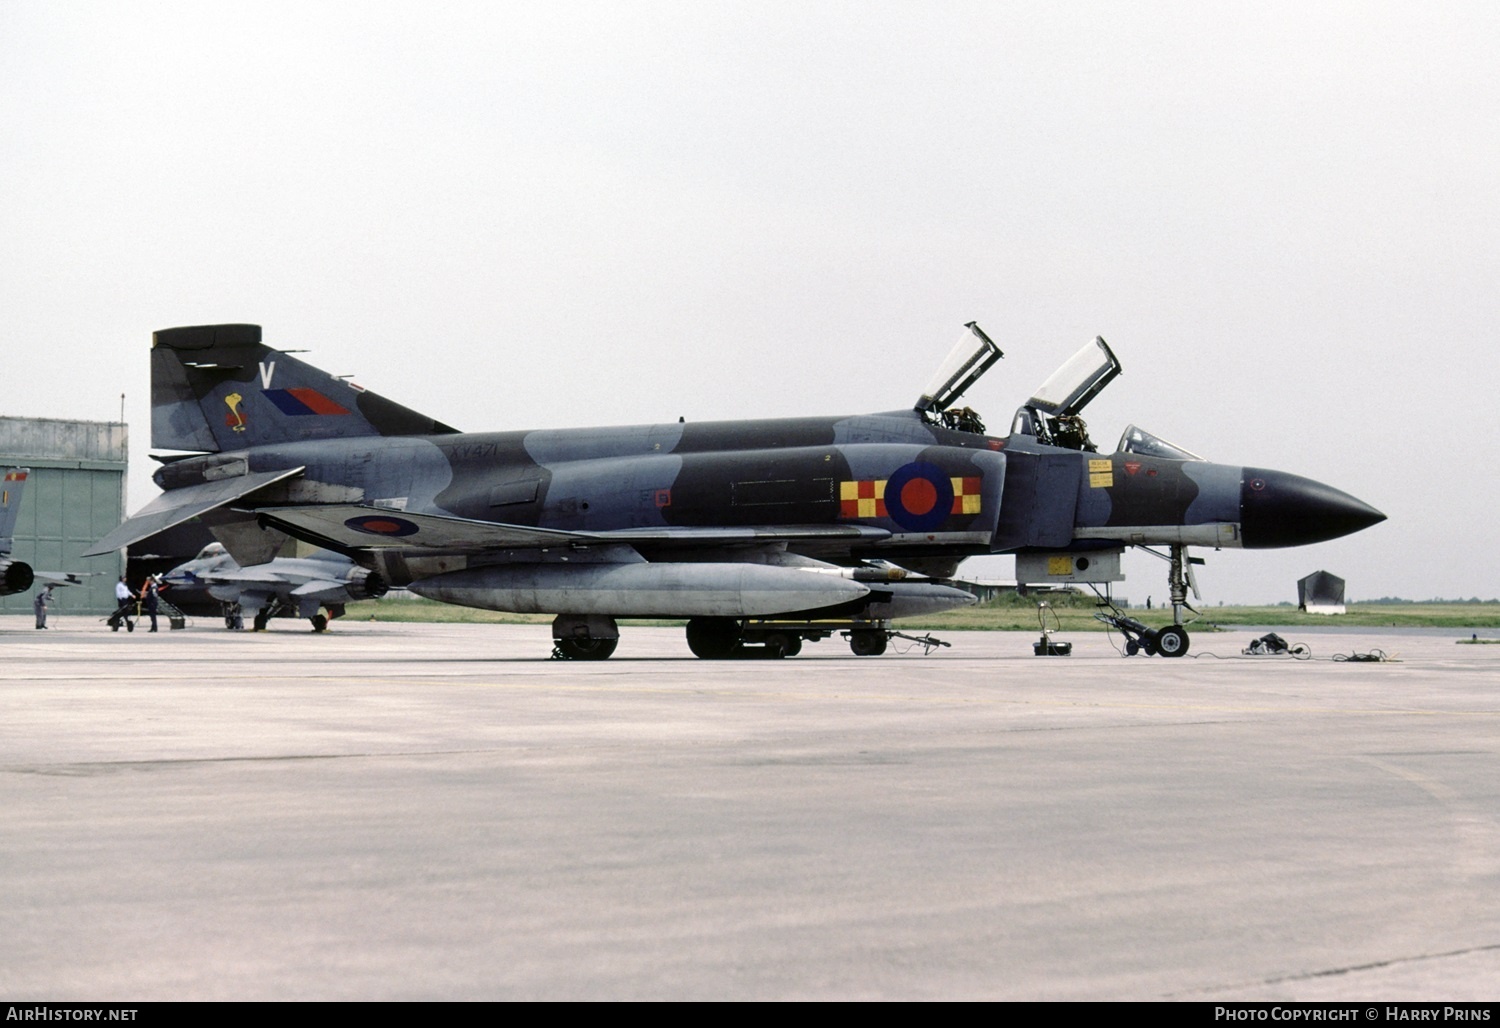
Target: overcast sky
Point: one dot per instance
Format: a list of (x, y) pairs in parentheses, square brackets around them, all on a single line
[(1282, 216)]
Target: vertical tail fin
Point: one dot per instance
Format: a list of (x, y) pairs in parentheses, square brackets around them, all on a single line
[(218, 387), (11, 487)]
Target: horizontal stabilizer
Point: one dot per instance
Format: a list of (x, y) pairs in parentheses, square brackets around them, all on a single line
[(178, 505), (319, 587)]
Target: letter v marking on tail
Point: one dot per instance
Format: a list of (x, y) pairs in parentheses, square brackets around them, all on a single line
[(267, 369)]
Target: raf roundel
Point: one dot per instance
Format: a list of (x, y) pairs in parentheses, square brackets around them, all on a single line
[(381, 524), (919, 497)]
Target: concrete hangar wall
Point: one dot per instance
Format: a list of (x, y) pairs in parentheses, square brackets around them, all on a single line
[(74, 497)]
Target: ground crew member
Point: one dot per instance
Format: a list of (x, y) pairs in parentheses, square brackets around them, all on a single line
[(126, 599), (39, 605), (148, 600)]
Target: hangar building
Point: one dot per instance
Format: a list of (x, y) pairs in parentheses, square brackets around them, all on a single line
[(74, 496)]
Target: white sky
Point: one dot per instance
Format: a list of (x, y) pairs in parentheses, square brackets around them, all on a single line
[(1282, 216)]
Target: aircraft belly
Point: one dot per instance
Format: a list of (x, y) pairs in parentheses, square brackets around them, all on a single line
[(227, 593), (1222, 535), (641, 590)]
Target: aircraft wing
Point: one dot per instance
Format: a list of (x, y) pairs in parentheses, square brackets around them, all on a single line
[(259, 574), (321, 588), (355, 526), (64, 577), (178, 505)]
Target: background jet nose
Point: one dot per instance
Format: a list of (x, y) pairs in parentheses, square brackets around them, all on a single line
[(1277, 509)]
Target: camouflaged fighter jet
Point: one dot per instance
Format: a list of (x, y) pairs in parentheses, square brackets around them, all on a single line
[(762, 534), (309, 585), (16, 576)]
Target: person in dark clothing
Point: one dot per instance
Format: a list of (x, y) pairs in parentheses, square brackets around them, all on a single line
[(148, 600), (39, 606)]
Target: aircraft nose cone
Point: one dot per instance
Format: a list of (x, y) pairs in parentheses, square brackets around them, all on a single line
[(1277, 509)]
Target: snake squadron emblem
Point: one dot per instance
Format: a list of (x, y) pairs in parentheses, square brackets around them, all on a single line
[(234, 419)]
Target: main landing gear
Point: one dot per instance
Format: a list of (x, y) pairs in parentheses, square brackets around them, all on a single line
[(727, 638), (585, 649), (260, 620), (584, 637), (594, 637)]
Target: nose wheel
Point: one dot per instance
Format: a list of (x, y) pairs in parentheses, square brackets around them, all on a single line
[(1172, 641)]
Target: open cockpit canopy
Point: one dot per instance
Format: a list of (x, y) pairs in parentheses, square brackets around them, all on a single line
[(973, 355), (1082, 377), (1051, 415)]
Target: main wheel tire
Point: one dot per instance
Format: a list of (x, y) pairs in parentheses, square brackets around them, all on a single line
[(780, 645), (262, 619), (867, 642), (319, 623), (713, 638), (586, 649), (1172, 641)]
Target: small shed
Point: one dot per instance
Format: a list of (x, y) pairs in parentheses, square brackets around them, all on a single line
[(1321, 593)]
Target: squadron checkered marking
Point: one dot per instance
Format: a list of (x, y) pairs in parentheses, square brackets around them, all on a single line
[(862, 499), (966, 495)]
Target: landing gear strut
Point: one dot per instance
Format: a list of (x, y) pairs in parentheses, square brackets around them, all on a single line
[(1171, 641)]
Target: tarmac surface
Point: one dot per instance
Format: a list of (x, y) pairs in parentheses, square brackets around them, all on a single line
[(438, 812)]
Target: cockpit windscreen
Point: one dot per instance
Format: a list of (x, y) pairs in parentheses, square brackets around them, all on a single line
[(1138, 440)]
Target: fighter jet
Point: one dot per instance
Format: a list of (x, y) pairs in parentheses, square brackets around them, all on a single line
[(16, 576), (311, 584), (762, 534)]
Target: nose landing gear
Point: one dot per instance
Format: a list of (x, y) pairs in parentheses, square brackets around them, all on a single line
[(1171, 641)]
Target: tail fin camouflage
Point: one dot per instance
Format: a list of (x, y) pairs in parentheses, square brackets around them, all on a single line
[(13, 484), (15, 575), (217, 387)]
